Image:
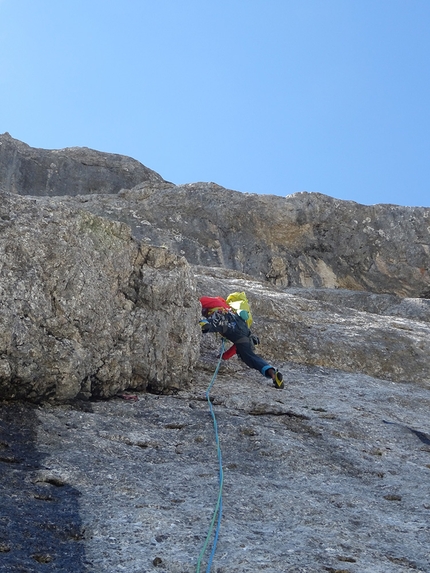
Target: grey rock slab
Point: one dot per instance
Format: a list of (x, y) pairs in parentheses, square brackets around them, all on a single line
[(384, 305), (314, 479)]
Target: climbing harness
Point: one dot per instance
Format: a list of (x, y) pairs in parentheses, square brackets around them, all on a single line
[(218, 507)]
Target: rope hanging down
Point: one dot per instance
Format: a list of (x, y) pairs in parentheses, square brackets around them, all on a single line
[(218, 507)]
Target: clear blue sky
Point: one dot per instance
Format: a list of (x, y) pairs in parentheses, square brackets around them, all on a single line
[(261, 96)]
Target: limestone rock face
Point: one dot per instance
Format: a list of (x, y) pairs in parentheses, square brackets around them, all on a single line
[(304, 240), (97, 296), (73, 171), (85, 309)]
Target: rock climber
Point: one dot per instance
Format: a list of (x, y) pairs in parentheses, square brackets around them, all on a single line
[(219, 316)]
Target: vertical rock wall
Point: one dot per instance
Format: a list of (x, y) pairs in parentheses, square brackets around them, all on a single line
[(303, 240)]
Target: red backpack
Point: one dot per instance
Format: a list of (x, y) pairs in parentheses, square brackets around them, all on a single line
[(212, 303), (209, 305)]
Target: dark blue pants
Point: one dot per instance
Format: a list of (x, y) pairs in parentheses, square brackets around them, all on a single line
[(246, 354)]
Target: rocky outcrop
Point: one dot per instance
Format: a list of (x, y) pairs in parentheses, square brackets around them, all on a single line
[(85, 309), (73, 171), (304, 240), (97, 295), (88, 311)]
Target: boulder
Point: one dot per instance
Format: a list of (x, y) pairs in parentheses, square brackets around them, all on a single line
[(86, 310)]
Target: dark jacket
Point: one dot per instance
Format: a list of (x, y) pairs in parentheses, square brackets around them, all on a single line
[(230, 325)]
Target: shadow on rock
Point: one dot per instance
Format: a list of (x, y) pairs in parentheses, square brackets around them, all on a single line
[(39, 516)]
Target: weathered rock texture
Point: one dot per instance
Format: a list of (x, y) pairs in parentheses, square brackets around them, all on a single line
[(86, 310), (302, 240), (314, 480), (72, 171), (87, 285)]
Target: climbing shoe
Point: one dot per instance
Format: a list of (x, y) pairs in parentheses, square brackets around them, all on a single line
[(278, 380)]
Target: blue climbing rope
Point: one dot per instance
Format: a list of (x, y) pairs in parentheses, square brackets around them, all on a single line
[(218, 506)]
